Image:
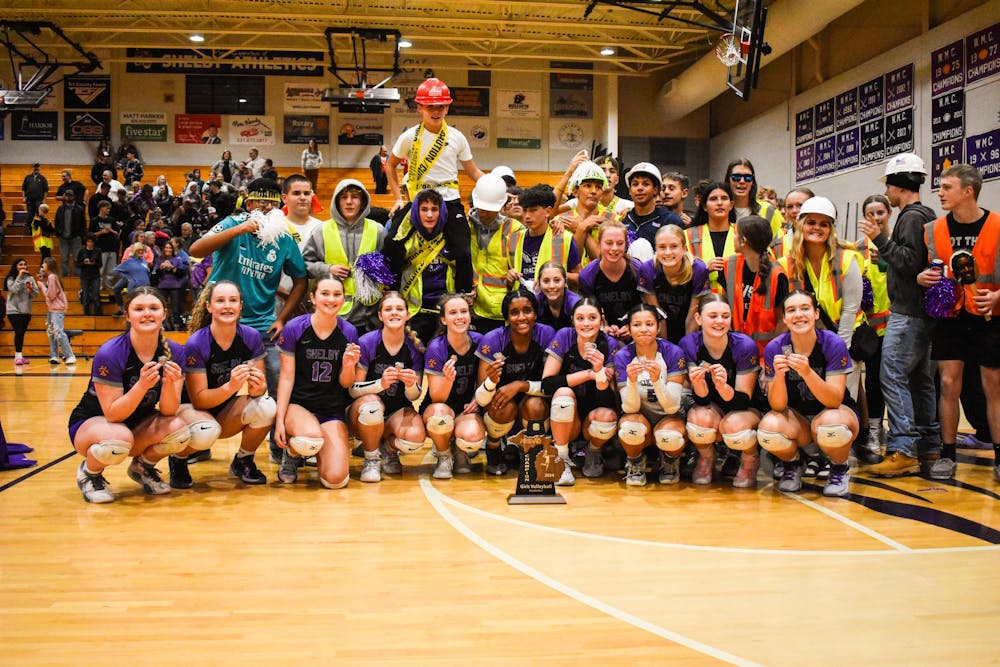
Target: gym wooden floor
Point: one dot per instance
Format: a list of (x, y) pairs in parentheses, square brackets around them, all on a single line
[(414, 571)]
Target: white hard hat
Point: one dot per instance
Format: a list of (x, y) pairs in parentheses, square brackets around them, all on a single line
[(490, 193), (820, 205), (640, 250), (646, 168), (904, 163), (588, 171), (503, 171)]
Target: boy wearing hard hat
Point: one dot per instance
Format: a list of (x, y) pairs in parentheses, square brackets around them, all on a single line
[(491, 233)]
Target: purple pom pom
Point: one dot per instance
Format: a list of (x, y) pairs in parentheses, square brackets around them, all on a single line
[(632, 236), (940, 298), (374, 267), (867, 294)]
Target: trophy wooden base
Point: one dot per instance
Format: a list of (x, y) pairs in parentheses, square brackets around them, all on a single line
[(514, 499), (540, 468)]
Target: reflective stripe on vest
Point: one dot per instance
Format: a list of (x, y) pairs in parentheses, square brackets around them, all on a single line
[(829, 286), (489, 266), (334, 253), (552, 246), (986, 254), (878, 315), (761, 318), (703, 248)]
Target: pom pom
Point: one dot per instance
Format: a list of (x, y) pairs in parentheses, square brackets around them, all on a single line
[(270, 227), (371, 277), (940, 298), (631, 236), (867, 294)]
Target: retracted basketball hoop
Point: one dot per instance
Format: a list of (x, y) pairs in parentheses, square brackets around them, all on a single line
[(731, 50)]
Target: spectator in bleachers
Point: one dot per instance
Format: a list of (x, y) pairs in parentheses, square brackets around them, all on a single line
[(143, 201), (170, 274), (226, 166), (76, 186), (89, 260), (187, 236), (101, 165), (312, 160), (673, 192), (242, 176), (3, 230), (108, 177), (133, 272), (124, 149), (102, 194), (162, 186), (131, 168), (70, 227), (255, 163), (43, 234), (34, 187), (106, 231)]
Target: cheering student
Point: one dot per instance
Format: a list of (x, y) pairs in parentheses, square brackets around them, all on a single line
[(673, 281), (555, 299), (613, 280)]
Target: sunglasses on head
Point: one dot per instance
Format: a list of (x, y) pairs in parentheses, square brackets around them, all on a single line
[(736, 178)]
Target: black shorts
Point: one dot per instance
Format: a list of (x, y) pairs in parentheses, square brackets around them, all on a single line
[(967, 338)]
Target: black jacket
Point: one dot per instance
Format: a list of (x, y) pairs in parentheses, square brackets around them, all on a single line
[(78, 225), (906, 254)]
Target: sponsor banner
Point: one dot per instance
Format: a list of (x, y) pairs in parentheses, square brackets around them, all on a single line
[(571, 81), (899, 89), (251, 130), (824, 118), (982, 151), (848, 149), (948, 116), (872, 141), (198, 128), (476, 130), (871, 100), (944, 156), (34, 125), (826, 156), (519, 103), (469, 102), (87, 92), (86, 125), (304, 98), (899, 132), (982, 54), (570, 135), (947, 68), (360, 130), (805, 163), (804, 127), (568, 103), (515, 133), (240, 61), (300, 129), (846, 114), (143, 126)]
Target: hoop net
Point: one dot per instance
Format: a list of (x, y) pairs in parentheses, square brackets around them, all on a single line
[(730, 50)]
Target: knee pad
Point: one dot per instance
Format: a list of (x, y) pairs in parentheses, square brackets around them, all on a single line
[(408, 446), (440, 424), (176, 442), (469, 446), (371, 413), (632, 433), (701, 435), (741, 440), (335, 485), (668, 440), (204, 433), (259, 412), (110, 452), (303, 446), (833, 435), (563, 409), (602, 430), (496, 429), (773, 441)]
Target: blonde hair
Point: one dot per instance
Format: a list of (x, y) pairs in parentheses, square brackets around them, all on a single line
[(163, 347), (200, 317), (687, 261), (393, 294), (797, 254)]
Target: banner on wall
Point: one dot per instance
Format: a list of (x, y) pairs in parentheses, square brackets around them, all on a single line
[(805, 163), (240, 61), (87, 92), (826, 156), (476, 131), (982, 54), (144, 126), (360, 130), (470, 102), (899, 132), (848, 154), (804, 126), (197, 128), (571, 80), (251, 130), (303, 98), (899, 89), (947, 68), (34, 125), (872, 141), (517, 133), (571, 135), (300, 129), (568, 103), (846, 113), (86, 125), (982, 151), (519, 103), (824, 118), (871, 99), (948, 116), (943, 156)]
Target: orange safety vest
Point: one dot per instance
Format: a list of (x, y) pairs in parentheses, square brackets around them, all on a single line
[(762, 316), (985, 253)]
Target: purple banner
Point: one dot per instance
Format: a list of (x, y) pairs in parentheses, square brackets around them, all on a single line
[(872, 141), (942, 157), (948, 116), (805, 164), (899, 89), (824, 118), (846, 114), (982, 151), (826, 156), (899, 132), (871, 100), (947, 68), (982, 54), (847, 149), (804, 126)]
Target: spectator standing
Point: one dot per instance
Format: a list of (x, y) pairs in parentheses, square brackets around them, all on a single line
[(34, 187), (312, 160), (226, 166), (55, 313), (132, 171), (377, 165), (70, 227), (89, 261), (43, 234), (255, 163), (20, 288), (77, 187)]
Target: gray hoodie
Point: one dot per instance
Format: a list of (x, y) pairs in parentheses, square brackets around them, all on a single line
[(19, 291)]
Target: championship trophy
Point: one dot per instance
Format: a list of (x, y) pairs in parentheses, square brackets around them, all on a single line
[(539, 469)]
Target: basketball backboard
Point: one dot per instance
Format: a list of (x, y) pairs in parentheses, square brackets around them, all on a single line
[(749, 19)]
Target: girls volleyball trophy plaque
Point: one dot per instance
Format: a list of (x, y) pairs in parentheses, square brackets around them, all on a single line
[(540, 468)]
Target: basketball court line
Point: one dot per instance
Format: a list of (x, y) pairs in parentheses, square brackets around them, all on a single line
[(888, 541)]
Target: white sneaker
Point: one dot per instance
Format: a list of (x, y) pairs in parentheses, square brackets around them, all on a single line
[(390, 461), (94, 487), (635, 472), (70, 361), (444, 467), (567, 478), (54, 361), (370, 470), (148, 476)]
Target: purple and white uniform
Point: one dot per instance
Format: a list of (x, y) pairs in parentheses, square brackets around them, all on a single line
[(564, 348), (674, 300), (375, 359), (669, 357), (828, 357), (317, 365), (740, 358), (463, 391), (565, 317), (616, 298), (517, 366), (202, 354)]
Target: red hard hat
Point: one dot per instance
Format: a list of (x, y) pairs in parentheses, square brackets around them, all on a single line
[(433, 91)]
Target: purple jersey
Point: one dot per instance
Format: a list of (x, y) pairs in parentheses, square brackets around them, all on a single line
[(466, 368), (616, 298), (564, 347), (669, 357), (565, 317), (517, 366), (375, 359), (318, 362), (674, 300), (829, 357), (202, 354), (739, 358)]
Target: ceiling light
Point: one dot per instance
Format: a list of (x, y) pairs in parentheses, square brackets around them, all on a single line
[(405, 43), (607, 51), (197, 38), (243, 100)]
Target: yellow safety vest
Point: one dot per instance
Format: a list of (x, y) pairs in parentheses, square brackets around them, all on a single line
[(701, 246), (878, 316), (552, 246), (773, 217), (829, 286), (420, 253), (333, 253), (489, 266)]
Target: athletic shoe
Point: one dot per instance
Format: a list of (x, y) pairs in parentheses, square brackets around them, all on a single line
[(593, 463), (730, 465), (370, 470), (390, 461), (746, 477), (310, 461), (94, 487), (970, 441), (670, 470), (869, 451), (837, 486), (635, 471), (779, 469), (148, 476), (21, 361), (445, 464), (180, 477), (705, 467), (289, 470), (495, 464), (894, 465), (199, 456), (813, 464), (791, 478), (70, 360), (567, 478), (688, 461), (246, 469), (54, 361), (462, 465), (824, 468), (942, 468)]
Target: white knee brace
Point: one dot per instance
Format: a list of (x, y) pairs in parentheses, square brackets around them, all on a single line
[(204, 433), (469, 446), (259, 412), (335, 485), (701, 435), (741, 440), (176, 441), (440, 424), (371, 413), (496, 429), (563, 409), (833, 435), (408, 446), (110, 452), (773, 441), (602, 430), (303, 446), (632, 433), (668, 440)]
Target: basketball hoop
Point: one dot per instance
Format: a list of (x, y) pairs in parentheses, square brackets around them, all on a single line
[(730, 50)]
